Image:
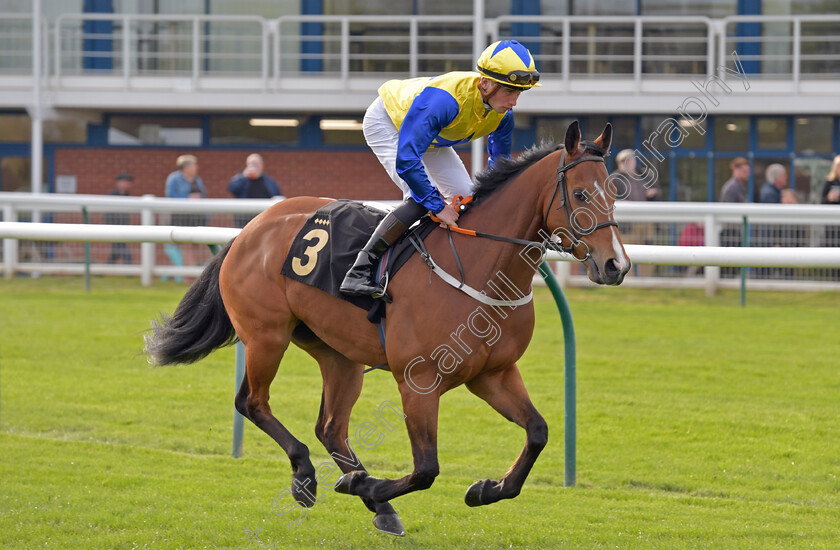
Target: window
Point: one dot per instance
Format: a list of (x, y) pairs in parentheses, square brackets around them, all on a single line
[(812, 134), (65, 131), (15, 128), (692, 179), (624, 133), (167, 131), (554, 128), (732, 134), (772, 133), (267, 130), (342, 131)]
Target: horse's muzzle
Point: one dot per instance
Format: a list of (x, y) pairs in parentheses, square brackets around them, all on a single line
[(613, 272)]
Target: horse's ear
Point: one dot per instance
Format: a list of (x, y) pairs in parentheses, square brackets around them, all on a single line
[(572, 137), (605, 139)]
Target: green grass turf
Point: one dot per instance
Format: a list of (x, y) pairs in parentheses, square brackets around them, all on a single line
[(701, 424)]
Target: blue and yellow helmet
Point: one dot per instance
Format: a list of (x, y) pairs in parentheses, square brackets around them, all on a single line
[(510, 63)]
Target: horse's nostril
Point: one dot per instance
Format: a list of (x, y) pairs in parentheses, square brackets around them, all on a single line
[(612, 268)]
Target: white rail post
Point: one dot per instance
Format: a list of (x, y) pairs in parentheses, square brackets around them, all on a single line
[(711, 237), (126, 51), (147, 250), (638, 48), (413, 48), (10, 246), (477, 147), (196, 52)]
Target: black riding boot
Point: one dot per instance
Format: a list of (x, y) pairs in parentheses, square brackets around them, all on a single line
[(359, 280)]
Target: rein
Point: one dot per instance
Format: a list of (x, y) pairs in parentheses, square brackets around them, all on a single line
[(460, 204)]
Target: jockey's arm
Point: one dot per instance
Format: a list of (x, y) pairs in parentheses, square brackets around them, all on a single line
[(431, 111), (499, 141)]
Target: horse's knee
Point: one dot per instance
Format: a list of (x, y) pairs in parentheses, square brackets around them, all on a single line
[(423, 478), (538, 435), (299, 456), (241, 404), (251, 407)]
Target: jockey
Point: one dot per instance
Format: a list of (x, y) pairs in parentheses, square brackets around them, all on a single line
[(412, 126)]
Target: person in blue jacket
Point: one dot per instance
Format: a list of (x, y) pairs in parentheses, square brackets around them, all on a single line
[(412, 127), (184, 183), (252, 183)]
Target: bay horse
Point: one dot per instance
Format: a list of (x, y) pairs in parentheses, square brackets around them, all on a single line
[(436, 337)]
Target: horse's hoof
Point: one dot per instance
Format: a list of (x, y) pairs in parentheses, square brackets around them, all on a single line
[(389, 523), (347, 483), (476, 491), (304, 490)]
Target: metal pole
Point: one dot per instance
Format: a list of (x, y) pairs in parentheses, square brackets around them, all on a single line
[(238, 419), (570, 373), (37, 152)]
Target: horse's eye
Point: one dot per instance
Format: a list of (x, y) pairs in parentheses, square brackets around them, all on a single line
[(579, 194)]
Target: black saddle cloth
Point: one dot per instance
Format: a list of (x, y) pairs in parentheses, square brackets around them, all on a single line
[(327, 245)]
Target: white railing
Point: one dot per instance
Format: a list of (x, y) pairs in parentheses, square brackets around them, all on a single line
[(150, 208), (617, 47), (804, 46), (353, 45), (631, 48), (171, 45)]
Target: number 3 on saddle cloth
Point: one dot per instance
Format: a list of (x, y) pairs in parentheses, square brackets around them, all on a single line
[(326, 247)]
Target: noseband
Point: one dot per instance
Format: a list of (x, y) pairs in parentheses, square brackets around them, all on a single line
[(566, 204)]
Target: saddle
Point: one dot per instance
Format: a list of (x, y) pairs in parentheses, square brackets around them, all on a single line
[(327, 244)]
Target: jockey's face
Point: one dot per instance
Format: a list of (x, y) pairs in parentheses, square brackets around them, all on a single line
[(500, 98)]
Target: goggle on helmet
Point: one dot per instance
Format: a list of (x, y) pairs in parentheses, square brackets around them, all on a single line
[(509, 63)]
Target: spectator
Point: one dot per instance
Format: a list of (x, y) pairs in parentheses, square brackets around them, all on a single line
[(734, 190), (787, 236), (771, 193), (252, 183), (626, 165), (831, 195), (635, 232), (691, 235), (789, 196), (777, 179), (122, 188), (831, 189), (184, 183)]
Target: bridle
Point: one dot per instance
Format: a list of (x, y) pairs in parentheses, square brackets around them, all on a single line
[(566, 204)]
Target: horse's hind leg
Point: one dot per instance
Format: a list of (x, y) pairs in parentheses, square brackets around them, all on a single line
[(342, 387), (505, 392), (263, 353)]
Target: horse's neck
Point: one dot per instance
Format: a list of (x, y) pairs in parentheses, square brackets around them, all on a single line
[(513, 211)]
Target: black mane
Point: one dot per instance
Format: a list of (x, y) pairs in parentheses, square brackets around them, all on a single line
[(505, 169)]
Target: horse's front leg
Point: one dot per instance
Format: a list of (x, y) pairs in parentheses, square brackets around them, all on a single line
[(421, 422), (505, 392)]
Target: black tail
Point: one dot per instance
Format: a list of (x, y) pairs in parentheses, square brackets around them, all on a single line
[(199, 325)]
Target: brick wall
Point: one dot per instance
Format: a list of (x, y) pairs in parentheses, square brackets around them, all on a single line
[(338, 174)]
